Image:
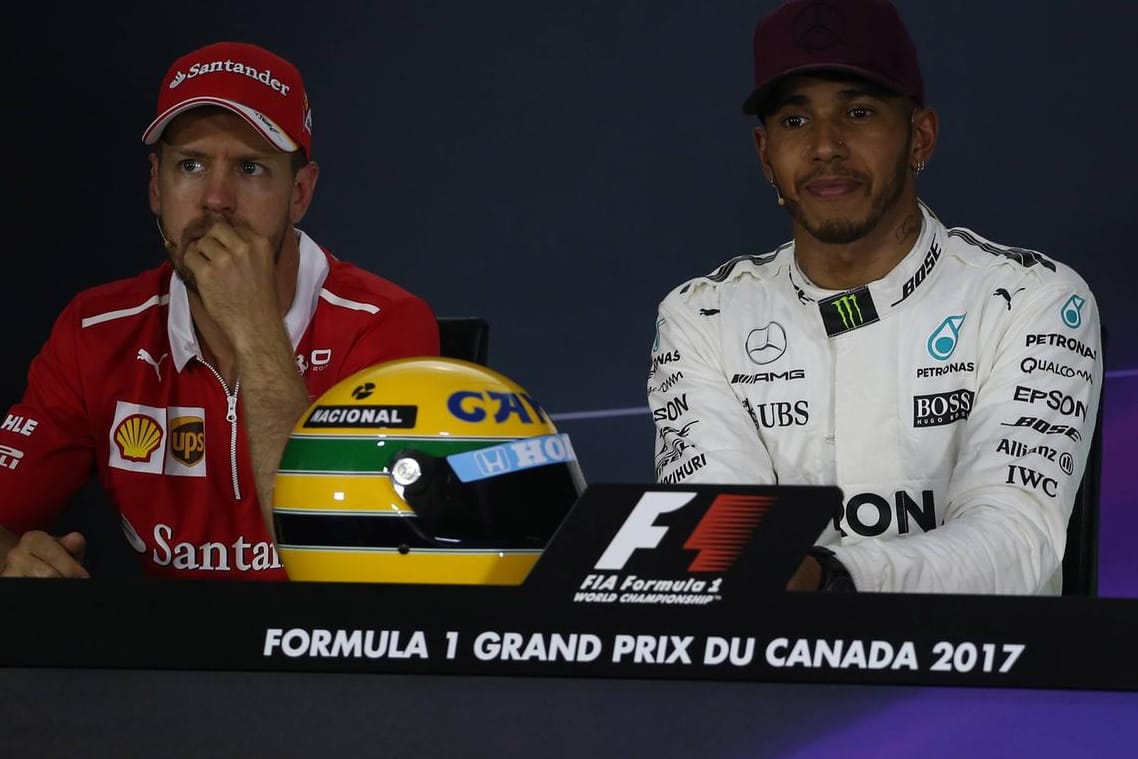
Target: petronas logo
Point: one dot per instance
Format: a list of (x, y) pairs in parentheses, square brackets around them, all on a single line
[(942, 341)]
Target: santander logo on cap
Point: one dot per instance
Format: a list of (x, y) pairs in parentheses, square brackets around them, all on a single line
[(264, 76), (256, 84)]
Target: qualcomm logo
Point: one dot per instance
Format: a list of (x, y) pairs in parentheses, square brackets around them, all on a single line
[(1073, 311), (942, 342)]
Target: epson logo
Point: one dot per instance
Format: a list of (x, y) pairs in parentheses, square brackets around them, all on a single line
[(941, 408), (1054, 400), (750, 379)]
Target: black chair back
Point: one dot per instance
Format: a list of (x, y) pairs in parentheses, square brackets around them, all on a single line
[(1080, 561), (464, 337)]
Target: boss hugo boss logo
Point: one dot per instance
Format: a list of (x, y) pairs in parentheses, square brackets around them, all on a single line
[(941, 408), (766, 345)]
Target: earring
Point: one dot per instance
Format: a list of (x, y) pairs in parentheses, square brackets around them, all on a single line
[(919, 167)]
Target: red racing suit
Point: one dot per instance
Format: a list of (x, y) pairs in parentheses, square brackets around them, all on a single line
[(121, 389)]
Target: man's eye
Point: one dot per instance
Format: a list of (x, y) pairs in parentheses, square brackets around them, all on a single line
[(861, 112), (793, 122), (251, 168), (189, 165)]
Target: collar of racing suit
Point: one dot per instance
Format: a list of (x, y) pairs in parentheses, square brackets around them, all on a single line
[(892, 290), (310, 277)]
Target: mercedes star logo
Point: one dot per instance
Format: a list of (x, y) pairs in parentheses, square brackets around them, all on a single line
[(766, 344)]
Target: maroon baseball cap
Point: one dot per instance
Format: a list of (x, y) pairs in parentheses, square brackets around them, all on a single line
[(256, 84), (862, 37)]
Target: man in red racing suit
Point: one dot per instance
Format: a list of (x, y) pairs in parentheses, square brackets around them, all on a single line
[(178, 387)]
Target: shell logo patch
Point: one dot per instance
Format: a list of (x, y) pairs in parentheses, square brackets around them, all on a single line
[(158, 440), (138, 437)]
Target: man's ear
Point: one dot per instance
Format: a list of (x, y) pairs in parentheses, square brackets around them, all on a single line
[(760, 136), (926, 126), (303, 188), (152, 189)]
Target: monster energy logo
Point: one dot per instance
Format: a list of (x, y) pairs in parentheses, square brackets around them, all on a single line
[(848, 310)]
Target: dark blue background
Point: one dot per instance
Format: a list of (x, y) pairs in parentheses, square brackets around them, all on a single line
[(557, 168)]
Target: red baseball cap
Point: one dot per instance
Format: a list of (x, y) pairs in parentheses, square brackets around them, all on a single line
[(862, 37), (257, 85)]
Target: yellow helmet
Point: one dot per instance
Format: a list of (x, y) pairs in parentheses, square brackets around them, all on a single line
[(422, 470)]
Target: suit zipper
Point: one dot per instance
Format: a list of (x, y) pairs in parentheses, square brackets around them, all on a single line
[(231, 417)]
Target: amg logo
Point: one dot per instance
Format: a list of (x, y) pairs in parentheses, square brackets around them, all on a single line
[(941, 408), (750, 379), (362, 416)]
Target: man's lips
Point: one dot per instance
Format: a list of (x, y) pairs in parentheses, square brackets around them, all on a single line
[(831, 187)]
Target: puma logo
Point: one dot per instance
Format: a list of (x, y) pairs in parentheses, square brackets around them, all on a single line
[(144, 355), (1006, 295)]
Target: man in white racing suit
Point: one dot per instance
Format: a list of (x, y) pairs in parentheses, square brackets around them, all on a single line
[(947, 384)]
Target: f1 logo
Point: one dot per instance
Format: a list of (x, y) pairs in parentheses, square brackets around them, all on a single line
[(719, 537), (640, 529)]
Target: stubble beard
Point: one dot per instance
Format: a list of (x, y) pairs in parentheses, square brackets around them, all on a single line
[(846, 231)]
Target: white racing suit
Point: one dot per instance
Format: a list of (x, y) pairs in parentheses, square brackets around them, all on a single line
[(952, 401)]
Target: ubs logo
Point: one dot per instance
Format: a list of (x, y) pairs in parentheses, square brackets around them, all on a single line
[(766, 345)]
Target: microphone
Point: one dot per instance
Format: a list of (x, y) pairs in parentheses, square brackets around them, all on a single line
[(161, 233), (777, 194)]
